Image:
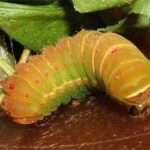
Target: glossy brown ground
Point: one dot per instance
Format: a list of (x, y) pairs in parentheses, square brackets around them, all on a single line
[(97, 123)]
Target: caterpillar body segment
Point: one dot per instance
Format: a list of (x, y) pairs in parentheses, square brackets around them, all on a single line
[(76, 67)]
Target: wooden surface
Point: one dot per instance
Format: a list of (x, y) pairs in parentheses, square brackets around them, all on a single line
[(98, 123)]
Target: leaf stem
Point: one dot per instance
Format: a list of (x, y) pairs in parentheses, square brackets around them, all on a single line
[(8, 70), (6, 67), (24, 56)]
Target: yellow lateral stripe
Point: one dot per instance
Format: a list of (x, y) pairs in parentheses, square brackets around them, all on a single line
[(139, 91), (62, 86)]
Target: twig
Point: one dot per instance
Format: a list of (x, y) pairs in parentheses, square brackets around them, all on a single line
[(6, 67), (24, 56)]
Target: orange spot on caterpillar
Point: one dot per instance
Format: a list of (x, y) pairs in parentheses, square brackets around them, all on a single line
[(114, 50), (46, 74), (26, 95), (37, 81), (97, 50), (138, 65), (117, 77), (11, 86)]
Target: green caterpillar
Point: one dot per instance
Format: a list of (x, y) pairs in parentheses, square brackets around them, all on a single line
[(74, 68)]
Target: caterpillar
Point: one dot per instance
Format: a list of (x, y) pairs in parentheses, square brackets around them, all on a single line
[(77, 67)]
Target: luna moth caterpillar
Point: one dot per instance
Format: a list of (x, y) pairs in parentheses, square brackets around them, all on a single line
[(76, 67)]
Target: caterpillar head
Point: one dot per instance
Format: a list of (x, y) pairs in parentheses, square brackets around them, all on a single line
[(140, 104)]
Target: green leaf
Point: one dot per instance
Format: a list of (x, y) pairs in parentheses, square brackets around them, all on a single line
[(142, 21), (29, 1), (114, 28), (84, 6), (141, 7), (34, 26)]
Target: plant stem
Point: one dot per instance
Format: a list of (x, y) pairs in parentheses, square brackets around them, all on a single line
[(6, 67), (8, 70), (24, 56)]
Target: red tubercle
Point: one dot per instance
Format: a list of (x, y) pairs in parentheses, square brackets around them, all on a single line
[(138, 65), (46, 74), (11, 86), (117, 77), (26, 95), (114, 50), (97, 50), (37, 81)]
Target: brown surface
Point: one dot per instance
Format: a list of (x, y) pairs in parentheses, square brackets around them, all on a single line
[(97, 123)]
